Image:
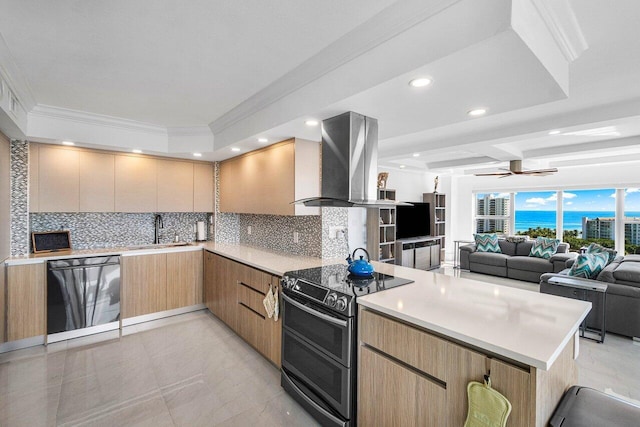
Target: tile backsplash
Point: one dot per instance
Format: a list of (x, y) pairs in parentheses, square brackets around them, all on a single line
[(105, 230), (276, 233)]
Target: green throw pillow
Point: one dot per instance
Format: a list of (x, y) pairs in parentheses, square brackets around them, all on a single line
[(589, 265), (595, 248), (487, 243), (543, 247)]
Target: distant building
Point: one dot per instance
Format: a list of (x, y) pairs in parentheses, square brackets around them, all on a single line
[(604, 228), (492, 206)]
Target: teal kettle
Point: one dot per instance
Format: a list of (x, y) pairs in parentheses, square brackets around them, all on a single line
[(360, 267)]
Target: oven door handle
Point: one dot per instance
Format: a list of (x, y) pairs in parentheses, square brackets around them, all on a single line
[(330, 319)]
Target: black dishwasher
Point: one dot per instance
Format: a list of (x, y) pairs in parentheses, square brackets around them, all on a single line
[(83, 296)]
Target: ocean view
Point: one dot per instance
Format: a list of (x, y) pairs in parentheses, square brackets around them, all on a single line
[(572, 219)]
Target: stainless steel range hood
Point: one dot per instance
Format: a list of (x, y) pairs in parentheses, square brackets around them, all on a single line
[(349, 163)]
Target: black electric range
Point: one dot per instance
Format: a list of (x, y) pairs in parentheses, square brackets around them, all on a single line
[(334, 288)]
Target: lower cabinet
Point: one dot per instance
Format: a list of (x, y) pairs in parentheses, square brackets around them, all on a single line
[(25, 301), (159, 282), (408, 376), (234, 292)]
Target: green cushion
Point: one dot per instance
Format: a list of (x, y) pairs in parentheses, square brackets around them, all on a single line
[(487, 243), (595, 248), (589, 265), (543, 247)]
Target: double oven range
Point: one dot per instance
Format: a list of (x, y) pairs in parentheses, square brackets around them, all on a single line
[(319, 341)]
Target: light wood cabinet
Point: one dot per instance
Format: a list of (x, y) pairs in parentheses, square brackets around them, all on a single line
[(234, 293), (266, 181), (136, 184), (408, 373), (25, 301), (397, 395), (203, 187), (144, 284), (184, 279), (97, 182), (175, 186), (58, 179), (71, 179)]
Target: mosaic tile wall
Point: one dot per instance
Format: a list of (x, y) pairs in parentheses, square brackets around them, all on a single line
[(19, 197), (227, 226), (275, 232), (339, 247), (107, 230)]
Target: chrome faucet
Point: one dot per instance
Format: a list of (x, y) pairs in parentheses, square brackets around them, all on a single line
[(158, 225)]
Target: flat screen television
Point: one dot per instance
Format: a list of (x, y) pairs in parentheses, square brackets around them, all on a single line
[(412, 221)]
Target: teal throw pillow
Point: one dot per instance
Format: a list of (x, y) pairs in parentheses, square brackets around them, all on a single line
[(543, 247), (595, 248), (487, 243), (589, 266)]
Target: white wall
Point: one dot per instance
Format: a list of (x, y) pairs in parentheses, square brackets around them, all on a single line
[(410, 185)]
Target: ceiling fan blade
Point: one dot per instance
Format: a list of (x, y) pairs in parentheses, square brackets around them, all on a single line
[(493, 174), (540, 171)]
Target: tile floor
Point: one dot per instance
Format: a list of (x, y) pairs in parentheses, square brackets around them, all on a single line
[(191, 370), (188, 370)]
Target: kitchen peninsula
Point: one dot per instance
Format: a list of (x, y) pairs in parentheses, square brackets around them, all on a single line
[(421, 344)]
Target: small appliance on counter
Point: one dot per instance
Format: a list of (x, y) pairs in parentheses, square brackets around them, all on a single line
[(319, 337), (201, 234), (360, 267)]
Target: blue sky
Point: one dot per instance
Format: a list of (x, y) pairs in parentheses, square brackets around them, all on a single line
[(578, 200)]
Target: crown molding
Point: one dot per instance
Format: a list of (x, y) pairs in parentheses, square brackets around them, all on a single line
[(562, 24), (59, 113), (204, 131), (13, 77), (387, 24)]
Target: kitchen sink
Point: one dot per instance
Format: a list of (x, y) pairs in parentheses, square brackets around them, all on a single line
[(160, 246)]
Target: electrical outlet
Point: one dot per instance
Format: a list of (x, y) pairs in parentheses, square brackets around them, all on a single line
[(336, 231), (296, 237), (249, 230)]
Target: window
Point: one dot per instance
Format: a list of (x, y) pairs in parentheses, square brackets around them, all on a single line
[(536, 213), (493, 213), (632, 220), (589, 216)]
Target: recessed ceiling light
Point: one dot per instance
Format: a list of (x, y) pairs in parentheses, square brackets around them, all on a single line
[(416, 154), (197, 154), (311, 123), (236, 149), (420, 82), (263, 140), (136, 151), (402, 166), (554, 132), (67, 143), (477, 112)]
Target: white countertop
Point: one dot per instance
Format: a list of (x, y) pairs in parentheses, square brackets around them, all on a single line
[(521, 325), (272, 262), (81, 253)]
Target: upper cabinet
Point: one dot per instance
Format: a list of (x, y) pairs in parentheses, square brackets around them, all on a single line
[(266, 181), (58, 180), (136, 184), (69, 179), (203, 187), (97, 183), (175, 186)]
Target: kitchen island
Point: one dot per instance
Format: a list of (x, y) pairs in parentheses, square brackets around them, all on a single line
[(421, 344)]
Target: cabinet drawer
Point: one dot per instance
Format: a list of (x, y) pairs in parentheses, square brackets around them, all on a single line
[(410, 345), (251, 298)]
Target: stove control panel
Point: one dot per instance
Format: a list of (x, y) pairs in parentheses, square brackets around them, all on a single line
[(336, 301)]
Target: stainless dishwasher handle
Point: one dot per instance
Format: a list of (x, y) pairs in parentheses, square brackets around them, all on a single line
[(82, 267), (330, 319)]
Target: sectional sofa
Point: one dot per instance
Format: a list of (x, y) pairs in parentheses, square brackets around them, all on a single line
[(514, 262), (622, 309)]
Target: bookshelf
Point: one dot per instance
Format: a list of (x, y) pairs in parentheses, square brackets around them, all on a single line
[(381, 229)]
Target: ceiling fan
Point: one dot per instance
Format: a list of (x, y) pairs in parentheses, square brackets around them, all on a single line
[(515, 168)]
